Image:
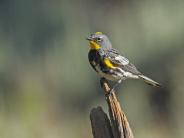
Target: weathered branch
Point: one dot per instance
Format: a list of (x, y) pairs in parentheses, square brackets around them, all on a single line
[(119, 124), (100, 123)]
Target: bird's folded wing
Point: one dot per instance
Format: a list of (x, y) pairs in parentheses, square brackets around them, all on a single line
[(115, 57), (118, 60)]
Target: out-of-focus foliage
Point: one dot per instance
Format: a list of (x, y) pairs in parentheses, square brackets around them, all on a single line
[(47, 86)]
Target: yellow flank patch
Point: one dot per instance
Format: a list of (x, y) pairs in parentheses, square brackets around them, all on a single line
[(108, 63), (98, 33), (94, 45)]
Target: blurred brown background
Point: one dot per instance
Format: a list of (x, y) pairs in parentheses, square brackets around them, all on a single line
[(47, 87)]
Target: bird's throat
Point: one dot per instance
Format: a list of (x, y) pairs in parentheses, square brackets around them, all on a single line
[(94, 45)]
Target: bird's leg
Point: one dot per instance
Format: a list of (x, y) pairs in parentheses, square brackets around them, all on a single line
[(115, 85)]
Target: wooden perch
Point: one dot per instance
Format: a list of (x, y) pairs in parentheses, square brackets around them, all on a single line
[(100, 124), (119, 127)]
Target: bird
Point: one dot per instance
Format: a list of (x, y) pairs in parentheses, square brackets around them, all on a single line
[(110, 64)]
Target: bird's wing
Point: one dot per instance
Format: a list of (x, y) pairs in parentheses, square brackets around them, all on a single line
[(119, 60), (116, 58)]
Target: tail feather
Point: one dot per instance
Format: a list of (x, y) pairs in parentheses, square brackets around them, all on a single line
[(149, 81)]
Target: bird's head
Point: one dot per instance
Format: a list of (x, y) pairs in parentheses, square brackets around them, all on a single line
[(99, 40)]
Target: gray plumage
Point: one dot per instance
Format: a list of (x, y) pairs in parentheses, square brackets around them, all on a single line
[(122, 68)]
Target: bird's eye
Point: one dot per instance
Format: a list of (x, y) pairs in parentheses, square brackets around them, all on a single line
[(99, 39)]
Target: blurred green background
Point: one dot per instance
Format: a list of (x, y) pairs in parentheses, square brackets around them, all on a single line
[(47, 87)]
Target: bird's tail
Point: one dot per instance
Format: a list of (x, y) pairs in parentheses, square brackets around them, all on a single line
[(149, 81)]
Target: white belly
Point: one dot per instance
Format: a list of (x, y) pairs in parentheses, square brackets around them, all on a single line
[(111, 77), (122, 75)]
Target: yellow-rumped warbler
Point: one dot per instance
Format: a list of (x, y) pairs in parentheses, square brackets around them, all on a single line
[(110, 64)]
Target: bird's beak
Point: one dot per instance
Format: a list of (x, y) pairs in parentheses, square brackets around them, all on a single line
[(89, 38)]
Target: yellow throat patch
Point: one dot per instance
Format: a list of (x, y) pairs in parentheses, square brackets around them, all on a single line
[(94, 45)]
